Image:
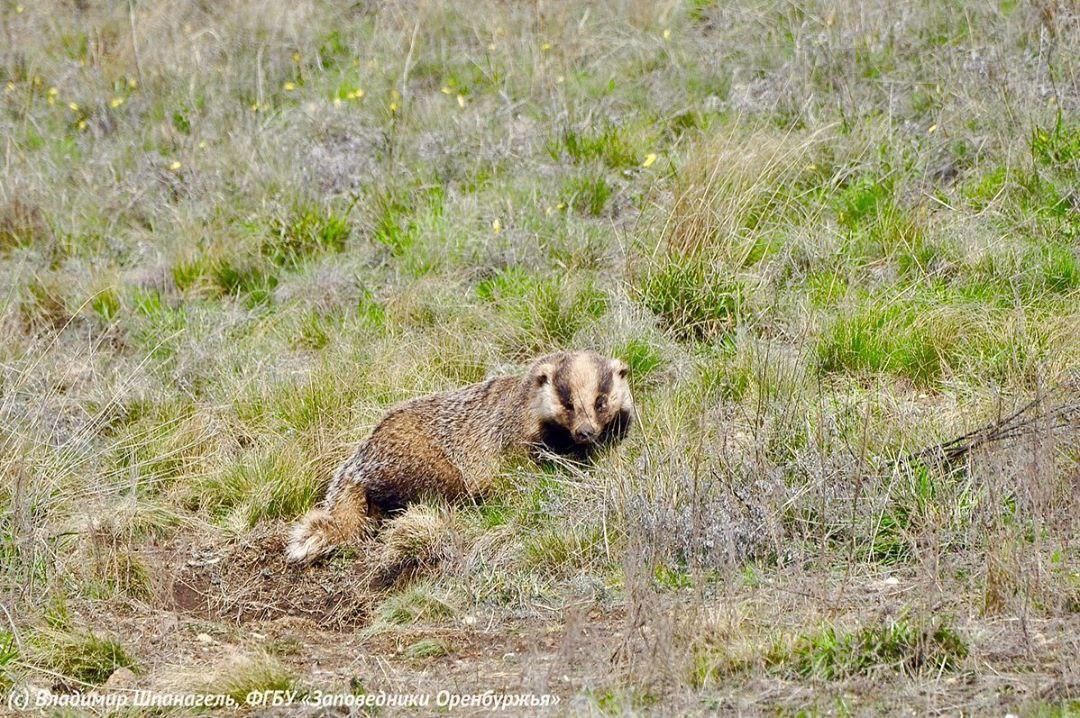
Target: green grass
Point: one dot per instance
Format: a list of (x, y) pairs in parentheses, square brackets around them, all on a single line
[(84, 657), (898, 645), (247, 674), (267, 483), (306, 231), (903, 338), (607, 144), (588, 195), (427, 648), (9, 653), (693, 299), (416, 603), (564, 550)]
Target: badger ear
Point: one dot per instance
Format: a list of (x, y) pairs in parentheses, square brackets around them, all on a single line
[(542, 374), (619, 368)]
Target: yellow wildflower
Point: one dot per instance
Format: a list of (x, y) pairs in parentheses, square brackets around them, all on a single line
[(132, 83), (10, 87), (337, 102), (53, 92), (175, 166), (491, 47), (74, 106), (667, 33), (445, 89), (545, 47), (19, 8), (81, 124), (932, 129), (560, 79), (289, 86), (296, 57), (496, 226), (116, 102), (649, 159), (393, 107), (461, 100)]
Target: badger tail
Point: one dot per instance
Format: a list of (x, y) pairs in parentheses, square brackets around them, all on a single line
[(321, 530)]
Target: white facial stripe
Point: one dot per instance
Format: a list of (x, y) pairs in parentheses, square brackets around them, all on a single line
[(585, 382), (546, 402), (620, 387)]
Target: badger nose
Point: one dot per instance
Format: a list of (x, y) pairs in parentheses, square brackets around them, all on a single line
[(585, 432)]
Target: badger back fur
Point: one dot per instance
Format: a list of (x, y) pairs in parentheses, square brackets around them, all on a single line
[(450, 445)]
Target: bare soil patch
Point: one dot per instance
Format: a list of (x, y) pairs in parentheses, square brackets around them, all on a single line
[(247, 579)]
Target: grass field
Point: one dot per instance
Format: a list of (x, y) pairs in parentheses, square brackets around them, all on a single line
[(823, 235)]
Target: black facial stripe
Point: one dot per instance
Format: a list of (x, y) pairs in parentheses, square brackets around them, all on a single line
[(562, 390), (606, 380)]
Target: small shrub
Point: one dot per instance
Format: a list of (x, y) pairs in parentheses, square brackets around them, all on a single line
[(316, 329), (162, 440), (397, 216), (1057, 147), (123, 572), (710, 663), (418, 538), (672, 579), (862, 201), (106, 304), (46, 304)]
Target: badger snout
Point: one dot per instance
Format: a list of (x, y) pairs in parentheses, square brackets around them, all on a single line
[(585, 432)]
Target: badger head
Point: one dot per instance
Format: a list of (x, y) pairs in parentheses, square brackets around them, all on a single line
[(582, 402)]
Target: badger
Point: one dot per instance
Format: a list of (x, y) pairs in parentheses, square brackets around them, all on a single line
[(450, 445)]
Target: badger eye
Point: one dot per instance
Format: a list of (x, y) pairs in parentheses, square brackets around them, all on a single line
[(601, 402)]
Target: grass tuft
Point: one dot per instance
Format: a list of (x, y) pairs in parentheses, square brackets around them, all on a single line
[(84, 657), (246, 674), (427, 648), (901, 645)]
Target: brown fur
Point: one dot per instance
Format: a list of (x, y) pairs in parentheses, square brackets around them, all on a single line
[(450, 445)]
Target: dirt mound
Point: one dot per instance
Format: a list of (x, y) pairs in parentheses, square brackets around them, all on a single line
[(248, 580)]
